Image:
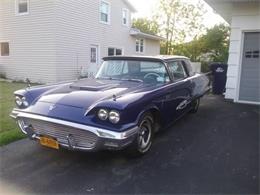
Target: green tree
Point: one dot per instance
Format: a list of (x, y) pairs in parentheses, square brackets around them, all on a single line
[(145, 25), (211, 47), (179, 20), (216, 42)]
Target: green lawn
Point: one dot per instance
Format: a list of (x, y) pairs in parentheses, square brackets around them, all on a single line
[(8, 128)]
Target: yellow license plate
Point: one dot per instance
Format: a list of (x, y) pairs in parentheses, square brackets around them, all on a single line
[(49, 142)]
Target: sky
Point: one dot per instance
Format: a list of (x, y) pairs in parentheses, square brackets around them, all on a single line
[(145, 9)]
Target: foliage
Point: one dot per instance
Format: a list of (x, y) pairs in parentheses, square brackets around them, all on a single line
[(216, 42), (178, 21), (145, 25), (2, 76), (210, 47)]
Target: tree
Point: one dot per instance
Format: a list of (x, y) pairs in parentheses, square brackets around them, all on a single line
[(211, 47), (145, 25), (179, 20), (216, 42)]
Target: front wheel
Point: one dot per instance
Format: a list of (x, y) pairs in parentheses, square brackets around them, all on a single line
[(195, 105), (144, 138)]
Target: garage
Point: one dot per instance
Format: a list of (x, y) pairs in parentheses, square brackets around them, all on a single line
[(243, 76), (250, 69)]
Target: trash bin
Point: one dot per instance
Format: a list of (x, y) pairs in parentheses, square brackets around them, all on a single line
[(219, 72)]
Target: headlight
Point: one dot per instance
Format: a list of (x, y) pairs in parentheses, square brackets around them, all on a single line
[(21, 101), (25, 103), (18, 101), (114, 117), (102, 114)]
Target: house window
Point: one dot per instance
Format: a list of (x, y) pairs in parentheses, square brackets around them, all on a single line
[(104, 12), (139, 47), (125, 17), (114, 51), (22, 7), (4, 49), (93, 54)]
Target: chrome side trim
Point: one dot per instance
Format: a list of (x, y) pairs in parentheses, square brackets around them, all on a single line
[(103, 133)]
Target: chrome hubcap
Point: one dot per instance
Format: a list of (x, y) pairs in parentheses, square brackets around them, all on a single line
[(144, 135)]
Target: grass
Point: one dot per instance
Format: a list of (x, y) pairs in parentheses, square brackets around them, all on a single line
[(9, 130)]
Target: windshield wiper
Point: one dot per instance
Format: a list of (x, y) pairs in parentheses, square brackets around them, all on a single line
[(134, 80), (108, 78)]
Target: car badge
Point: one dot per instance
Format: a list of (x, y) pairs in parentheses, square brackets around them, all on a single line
[(52, 107)]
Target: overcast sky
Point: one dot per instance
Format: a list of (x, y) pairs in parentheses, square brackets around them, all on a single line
[(145, 9)]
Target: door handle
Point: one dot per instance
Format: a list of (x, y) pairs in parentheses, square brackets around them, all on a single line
[(182, 105)]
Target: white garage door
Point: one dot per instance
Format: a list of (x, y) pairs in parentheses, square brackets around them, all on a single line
[(250, 72)]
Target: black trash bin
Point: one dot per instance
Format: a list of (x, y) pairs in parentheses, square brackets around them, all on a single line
[(219, 72)]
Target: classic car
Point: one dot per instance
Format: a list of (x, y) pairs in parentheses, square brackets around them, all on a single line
[(128, 101)]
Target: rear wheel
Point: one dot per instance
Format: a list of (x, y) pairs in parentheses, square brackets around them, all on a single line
[(144, 138), (195, 105)]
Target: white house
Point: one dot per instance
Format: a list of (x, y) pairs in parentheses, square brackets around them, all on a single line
[(243, 82), (56, 40)]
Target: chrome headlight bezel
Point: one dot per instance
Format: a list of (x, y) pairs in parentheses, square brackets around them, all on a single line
[(18, 101), (21, 101), (103, 114), (114, 116)]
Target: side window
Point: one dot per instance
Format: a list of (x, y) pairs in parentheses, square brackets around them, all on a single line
[(177, 70), (22, 7), (114, 51), (125, 17), (4, 49), (188, 66), (139, 46), (105, 12)]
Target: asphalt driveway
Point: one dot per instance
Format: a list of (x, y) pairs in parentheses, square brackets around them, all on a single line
[(213, 151)]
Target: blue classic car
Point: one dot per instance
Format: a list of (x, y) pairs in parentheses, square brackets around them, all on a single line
[(129, 100)]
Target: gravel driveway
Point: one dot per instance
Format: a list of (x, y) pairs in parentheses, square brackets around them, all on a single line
[(213, 151)]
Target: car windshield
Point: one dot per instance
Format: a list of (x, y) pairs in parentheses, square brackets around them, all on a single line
[(132, 70)]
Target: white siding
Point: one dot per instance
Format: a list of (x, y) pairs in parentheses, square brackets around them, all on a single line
[(245, 17), (31, 41), (52, 43), (78, 27)]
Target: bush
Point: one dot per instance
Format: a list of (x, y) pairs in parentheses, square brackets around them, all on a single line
[(2, 75), (205, 67)]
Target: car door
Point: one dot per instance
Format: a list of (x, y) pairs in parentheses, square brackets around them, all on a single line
[(177, 101)]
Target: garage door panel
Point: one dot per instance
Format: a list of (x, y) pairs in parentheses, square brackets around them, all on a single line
[(250, 70)]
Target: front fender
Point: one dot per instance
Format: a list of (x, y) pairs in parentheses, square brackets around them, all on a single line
[(33, 93)]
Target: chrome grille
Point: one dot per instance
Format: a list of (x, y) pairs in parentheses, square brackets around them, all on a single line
[(82, 138)]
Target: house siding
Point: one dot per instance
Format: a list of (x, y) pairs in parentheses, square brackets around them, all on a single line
[(31, 41), (245, 17), (52, 42), (79, 27)]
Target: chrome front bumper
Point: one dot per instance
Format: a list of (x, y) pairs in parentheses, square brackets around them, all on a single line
[(106, 139)]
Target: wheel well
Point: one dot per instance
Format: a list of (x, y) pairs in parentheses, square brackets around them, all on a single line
[(157, 118)]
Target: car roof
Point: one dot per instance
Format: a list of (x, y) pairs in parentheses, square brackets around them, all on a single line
[(158, 58)]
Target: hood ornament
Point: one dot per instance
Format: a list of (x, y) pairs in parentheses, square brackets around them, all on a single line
[(114, 97)]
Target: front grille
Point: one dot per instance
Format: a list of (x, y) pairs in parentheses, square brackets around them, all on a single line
[(82, 138)]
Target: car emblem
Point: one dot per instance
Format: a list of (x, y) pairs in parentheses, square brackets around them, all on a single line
[(52, 107)]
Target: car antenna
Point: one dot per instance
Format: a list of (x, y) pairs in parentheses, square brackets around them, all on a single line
[(114, 97), (28, 83)]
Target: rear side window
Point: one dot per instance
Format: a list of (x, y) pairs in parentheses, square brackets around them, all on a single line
[(188, 66), (177, 70)]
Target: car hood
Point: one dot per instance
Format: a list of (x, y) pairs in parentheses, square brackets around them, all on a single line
[(87, 92)]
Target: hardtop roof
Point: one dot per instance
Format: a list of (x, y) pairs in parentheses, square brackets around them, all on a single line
[(160, 58)]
